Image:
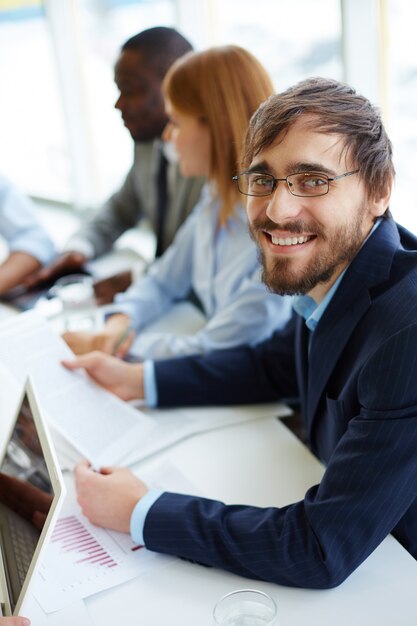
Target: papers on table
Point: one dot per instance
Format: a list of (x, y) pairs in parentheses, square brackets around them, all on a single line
[(173, 425), (71, 615), (99, 425), (88, 420), (82, 559)]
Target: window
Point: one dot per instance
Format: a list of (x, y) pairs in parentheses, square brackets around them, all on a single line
[(280, 34), (33, 141), (402, 107), (61, 137)]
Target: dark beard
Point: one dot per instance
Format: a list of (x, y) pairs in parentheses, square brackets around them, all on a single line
[(343, 246)]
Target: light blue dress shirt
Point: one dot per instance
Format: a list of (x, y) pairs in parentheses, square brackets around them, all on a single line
[(19, 226), (221, 266), (309, 309), (304, 306)]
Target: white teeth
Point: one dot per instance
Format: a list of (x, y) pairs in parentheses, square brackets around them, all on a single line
[(288, 241)]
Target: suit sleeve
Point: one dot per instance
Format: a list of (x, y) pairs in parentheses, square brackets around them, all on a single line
[(122, 211), (368, 490), (243, 375)]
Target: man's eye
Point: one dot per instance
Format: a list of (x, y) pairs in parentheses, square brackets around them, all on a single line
[(311, 182), (261, 181)]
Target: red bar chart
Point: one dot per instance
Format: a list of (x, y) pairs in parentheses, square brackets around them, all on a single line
[(72, 536), (81, 559)]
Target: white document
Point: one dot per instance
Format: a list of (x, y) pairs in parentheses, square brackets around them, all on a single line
[(173, 425), (72, 615), (82, 559), (91, 422), (99, 425)]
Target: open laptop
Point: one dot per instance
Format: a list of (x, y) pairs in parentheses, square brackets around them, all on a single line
[(31, 492)]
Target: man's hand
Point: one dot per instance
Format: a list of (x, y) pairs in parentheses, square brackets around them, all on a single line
[(107, 498), (116, 338), (123, 379), (106, 288), (14, 621), (64, 264)]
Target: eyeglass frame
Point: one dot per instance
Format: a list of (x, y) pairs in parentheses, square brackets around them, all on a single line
[(277, 180)]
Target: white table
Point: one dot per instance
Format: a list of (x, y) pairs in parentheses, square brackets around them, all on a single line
[(259, 463)]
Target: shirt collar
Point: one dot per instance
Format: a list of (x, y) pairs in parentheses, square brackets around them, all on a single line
[(309, 309)]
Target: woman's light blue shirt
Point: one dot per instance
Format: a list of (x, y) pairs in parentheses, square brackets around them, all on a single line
[(221, 266)]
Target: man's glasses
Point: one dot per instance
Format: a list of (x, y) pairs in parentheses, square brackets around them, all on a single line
[(303, 184)]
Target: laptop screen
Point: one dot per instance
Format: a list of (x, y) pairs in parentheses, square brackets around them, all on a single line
[(26, 497)]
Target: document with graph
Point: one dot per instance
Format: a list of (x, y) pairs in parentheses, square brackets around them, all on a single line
[(82, 559)]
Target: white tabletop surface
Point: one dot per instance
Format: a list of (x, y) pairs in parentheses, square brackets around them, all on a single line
[(259, 463)]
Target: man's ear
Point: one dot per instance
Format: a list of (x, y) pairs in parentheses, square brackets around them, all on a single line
[(379, 205)]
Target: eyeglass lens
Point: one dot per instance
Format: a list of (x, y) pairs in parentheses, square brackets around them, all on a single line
[(301, 184)]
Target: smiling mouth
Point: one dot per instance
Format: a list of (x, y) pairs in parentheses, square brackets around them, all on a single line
[(290, 241)]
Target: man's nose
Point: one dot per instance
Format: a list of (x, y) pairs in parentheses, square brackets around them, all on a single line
[(282, 204), (118, 103)]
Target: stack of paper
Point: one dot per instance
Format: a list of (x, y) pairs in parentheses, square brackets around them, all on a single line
[(89, 421)]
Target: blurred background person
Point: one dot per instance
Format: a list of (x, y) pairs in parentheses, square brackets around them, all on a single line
[(29, 245), (153, 189), (210, 97)]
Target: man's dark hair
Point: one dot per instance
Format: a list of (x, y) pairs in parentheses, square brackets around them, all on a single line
[(159, 46), (331, 107)]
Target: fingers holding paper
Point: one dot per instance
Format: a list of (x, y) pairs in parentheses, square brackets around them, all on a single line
[(107, 498), (125, 380)]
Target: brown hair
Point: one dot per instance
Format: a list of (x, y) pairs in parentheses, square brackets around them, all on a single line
[(224, 86), (334, 108)]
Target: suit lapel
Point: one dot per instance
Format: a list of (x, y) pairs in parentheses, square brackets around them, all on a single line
[(301, 348), (352, 299)]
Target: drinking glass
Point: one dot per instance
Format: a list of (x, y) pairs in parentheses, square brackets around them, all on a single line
[(245, 607), (76, 293)]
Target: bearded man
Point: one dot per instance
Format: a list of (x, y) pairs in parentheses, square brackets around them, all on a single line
[(318, 173)]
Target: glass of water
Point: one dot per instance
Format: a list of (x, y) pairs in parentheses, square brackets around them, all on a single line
[(76, 294), (245, 607)]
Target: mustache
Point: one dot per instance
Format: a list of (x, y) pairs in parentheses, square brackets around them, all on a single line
[(295, 227)]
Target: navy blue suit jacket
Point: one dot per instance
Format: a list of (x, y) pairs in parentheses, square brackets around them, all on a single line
[(358, 390)]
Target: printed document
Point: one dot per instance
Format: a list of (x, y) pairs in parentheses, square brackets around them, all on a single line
[(97, 424), (82, 559)]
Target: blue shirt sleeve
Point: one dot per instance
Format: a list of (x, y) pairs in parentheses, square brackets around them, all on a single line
[(137, 521), (19, 224), (149, 384)]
